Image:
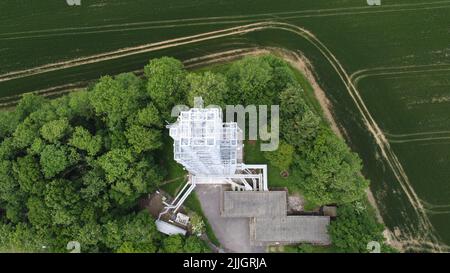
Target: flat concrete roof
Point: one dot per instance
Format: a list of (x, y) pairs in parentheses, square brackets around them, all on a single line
[(254, 204), (290, 229), (169, 229)]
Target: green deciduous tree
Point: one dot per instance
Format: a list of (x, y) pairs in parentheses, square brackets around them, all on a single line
[(83, 140), (166, 83), (282, 157), (54, 159), (355, 228), (197, 224), (134, 233), (194, 244), (143, 139), (281, 73), (149, 116), (55, 129), (20, 238), (257, 80), (38, 212), (116, 163), (331, 171), (9, 122), (298, 123), (27, 172), (80, 104), (172, 244), (62, 197), (11, 197), (249, 82), (114, 99), (25, 134), (211, 87), (28, 104)]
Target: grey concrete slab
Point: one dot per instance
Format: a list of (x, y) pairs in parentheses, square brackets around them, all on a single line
[(254, 203), (232, 233)]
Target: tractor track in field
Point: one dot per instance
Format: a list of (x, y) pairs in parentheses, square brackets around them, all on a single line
[(359, 75), (426, 230), (418, 137), (356, 77), (217, 20)]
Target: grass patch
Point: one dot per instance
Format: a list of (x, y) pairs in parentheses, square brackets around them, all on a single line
[(254, 155), (174, 186)]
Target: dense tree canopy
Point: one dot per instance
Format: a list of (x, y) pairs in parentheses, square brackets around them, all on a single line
[(257, 80), (355, 228), (331, 171), (74, 168), (166, 85), (211, 87)]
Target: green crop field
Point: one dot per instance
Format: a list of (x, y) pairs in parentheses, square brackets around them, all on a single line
[(385, 70)]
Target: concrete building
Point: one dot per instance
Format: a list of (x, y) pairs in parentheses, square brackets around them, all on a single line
[(269, 223), (212, 151)]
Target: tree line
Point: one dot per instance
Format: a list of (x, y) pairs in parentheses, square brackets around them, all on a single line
[(74, 168)]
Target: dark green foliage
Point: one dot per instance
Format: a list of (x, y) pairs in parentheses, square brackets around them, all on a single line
[(331, 171), (149, 116), (143, 139), (166, 85), (194, 244), (27, 172), (83, 140), (115, 99), (298, 123), (134, 233), (20, 238), (282, 157), (175, 243), (54, 159), (355, 228), (9, 121), (54, 130), (257, 80), (74, 168), (172, 244), (211, 87)]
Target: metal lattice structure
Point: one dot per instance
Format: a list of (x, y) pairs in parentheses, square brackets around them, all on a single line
[(211, 151), (204, 144)]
